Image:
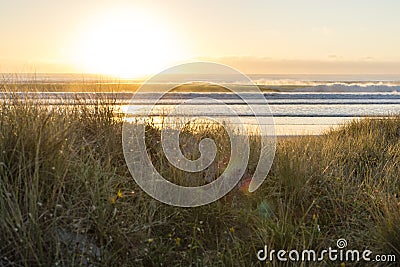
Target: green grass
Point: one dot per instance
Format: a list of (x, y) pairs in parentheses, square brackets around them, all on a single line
[(61, 171)]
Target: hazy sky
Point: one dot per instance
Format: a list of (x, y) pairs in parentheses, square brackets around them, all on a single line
[(254, 36)]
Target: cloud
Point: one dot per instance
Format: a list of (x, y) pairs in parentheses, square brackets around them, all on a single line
[(304, 66), (35, 66)]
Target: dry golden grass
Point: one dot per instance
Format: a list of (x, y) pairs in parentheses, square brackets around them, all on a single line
[(67, 198)]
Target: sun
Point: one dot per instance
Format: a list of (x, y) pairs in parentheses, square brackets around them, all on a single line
[(127, 44)]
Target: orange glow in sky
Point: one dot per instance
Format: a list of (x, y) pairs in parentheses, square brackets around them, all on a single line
[(129, 38), (126, 44)]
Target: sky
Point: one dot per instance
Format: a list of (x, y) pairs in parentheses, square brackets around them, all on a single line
[(128, 38)]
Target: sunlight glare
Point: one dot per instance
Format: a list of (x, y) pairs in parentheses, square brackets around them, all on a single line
[(127, 44)]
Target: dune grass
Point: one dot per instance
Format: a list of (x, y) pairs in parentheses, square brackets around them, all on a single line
[(67, 198)]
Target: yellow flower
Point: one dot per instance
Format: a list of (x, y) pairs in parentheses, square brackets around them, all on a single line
[(232, 230), (314, 216), (113, 199), (342, 264), (119, 194), (177, 241)]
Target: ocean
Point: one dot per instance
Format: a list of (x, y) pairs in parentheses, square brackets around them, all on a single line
[(298, 104)]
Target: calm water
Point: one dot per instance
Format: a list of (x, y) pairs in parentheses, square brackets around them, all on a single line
[(294, 113)]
